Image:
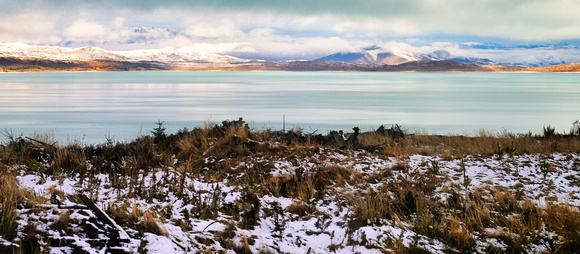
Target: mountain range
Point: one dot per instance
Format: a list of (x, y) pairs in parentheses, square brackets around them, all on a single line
[(18, 50), (388, 57), (498, 54)]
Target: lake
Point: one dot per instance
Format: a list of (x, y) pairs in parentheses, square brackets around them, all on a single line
[(88, 107)]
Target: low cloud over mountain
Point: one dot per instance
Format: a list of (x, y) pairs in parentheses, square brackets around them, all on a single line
[(531, 55)]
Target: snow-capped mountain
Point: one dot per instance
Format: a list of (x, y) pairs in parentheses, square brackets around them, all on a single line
[(393, 53), (18, 50), (525, 55), (390, 56)]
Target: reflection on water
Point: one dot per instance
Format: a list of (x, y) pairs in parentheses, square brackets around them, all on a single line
[(89, 106)]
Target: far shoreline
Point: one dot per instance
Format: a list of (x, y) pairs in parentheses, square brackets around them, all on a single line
[(34, 65)]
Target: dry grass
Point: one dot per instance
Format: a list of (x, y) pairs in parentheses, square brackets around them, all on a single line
[(63, 222), (531, 216), (505, 201), (194, 144), (243, 158), (565, 221), (149, 224), (126, 214), (10, 196), (477, 217), (481, 143), (370, 208), (245, 246), (70, 158), (458, 235), (429, 224), (56, 194)]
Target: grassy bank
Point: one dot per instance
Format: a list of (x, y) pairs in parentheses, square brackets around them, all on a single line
[(225, 187)]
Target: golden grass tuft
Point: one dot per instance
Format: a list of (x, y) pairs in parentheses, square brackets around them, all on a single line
[(532, 215), (505, 201), (194, 144), (565, 221), (245, 246), (458, 235), (298, 208), (70, 158), (428, 224), (56, 194), (370, 207), (63, 222), (149, 224), (10, 196)]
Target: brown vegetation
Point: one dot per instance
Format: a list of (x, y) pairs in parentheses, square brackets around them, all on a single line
[(232, 152)]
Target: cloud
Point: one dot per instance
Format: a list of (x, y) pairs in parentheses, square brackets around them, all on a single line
[(86, 30), (29, 27), (256, 27), (222, 29), (261, 43), (282, 47)]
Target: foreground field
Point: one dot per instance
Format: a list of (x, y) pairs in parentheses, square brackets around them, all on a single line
[(228, 189)]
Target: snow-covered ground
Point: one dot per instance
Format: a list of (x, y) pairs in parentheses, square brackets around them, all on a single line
[(323, 228)]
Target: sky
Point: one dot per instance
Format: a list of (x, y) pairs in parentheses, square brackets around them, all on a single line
[(285, 30)]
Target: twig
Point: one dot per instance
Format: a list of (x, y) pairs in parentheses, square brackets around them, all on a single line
[(40, 142), (208, 226)]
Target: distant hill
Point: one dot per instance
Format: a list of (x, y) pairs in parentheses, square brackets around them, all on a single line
[(10, 64), (522, 55), (169, 57), (20, 57), (573, 67), (420, 66)]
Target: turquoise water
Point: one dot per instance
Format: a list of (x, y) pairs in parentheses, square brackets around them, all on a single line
[(87, 107)]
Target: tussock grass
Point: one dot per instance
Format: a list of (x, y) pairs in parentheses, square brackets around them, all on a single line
[(11, 195), (71, 158), (149, 224), (565, 221), (63, 222), (371, 208)]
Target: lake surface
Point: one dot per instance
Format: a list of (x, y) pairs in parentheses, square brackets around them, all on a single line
[(87, 107)]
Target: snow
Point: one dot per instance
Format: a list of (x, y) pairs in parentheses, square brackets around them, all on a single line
[(498, 54), (20, 50), (317, 234), (161, 244)]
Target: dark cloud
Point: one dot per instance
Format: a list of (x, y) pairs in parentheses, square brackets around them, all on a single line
[(372, 8)]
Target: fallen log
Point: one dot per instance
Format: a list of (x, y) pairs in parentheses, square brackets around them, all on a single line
[(117, 234)]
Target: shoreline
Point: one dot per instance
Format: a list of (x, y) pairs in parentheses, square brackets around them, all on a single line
[(273, 70), (44, 65)]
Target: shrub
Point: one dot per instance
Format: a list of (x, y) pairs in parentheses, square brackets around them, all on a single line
[(549, 131), (158, 132)]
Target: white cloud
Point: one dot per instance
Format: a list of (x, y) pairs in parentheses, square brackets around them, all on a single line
[(222, 29), (28, 27), (285, 29), (298, 48), (261, 32), (221, 48), (119, 22), (86, 30)]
